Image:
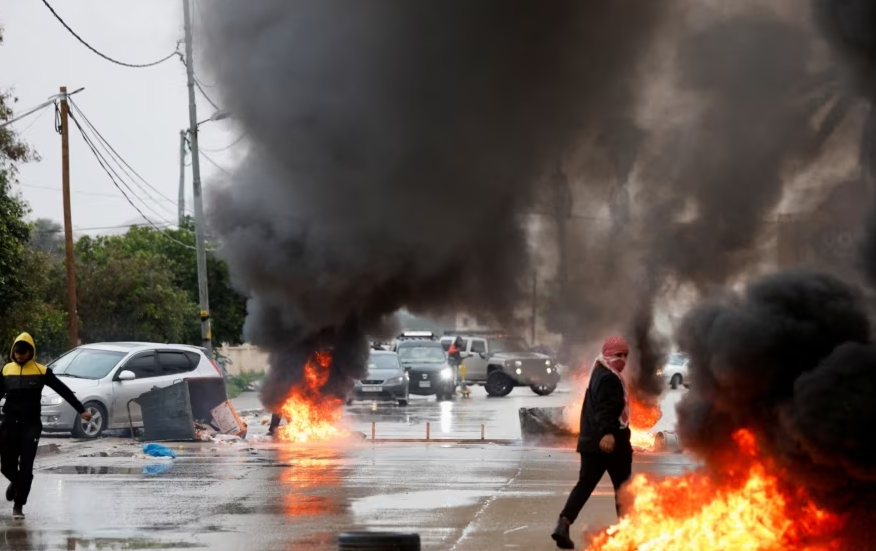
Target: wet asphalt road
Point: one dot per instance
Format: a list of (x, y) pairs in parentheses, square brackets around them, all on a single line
[(262, 495)]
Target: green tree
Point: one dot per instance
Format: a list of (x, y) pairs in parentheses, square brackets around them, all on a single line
[(227, 306), (127, 294)]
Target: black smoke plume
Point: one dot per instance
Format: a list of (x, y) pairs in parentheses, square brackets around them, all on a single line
[(395, 147), (791, 360)]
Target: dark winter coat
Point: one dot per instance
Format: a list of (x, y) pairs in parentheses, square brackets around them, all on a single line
[(603, 406)]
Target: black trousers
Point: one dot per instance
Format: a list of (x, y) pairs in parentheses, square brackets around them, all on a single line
[(19, 439), (619, 465), (275, 423)]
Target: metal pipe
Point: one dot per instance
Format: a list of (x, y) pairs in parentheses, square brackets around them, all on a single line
[(427, 430), (373, 429), (482, 431)]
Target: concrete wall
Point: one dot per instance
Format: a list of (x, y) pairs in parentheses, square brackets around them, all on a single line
[(244, 359)]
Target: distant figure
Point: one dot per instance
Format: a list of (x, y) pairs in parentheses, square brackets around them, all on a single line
[(22, 384), (604, 440), (454, 353)]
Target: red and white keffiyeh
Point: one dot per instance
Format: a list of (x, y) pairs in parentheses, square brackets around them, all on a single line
[(612, 358)]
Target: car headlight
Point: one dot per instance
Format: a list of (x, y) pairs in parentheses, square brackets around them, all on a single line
[(549, 370), (547, 362), (446, 374), (519, 371), (394, 381), (51, 400)]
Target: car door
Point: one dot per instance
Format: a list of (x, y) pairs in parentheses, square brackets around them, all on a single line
[(147, 372), (476, 362)]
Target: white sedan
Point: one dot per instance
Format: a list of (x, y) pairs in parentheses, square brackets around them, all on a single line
[(675, 371)]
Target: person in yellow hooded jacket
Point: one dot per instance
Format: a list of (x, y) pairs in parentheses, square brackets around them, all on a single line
[(22, 385)]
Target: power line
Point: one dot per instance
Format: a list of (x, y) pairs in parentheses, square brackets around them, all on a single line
[(92, 193), (200, 87), (106, 57), (36, 120), (110, 173), (119, 227), (125, 163), (212, 162), (229, 146), (29, 112)]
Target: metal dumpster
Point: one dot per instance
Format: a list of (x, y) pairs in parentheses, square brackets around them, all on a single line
[(170, 413)]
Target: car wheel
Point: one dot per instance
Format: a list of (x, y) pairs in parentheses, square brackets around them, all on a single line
[(675, 382), (543, 390), (93, 428), (499, 384), (378, 541)]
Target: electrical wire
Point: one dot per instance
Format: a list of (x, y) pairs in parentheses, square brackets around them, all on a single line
[(106, 57), (229, 146), (61, 230), (119, 158), (212, 162), (29, 112), (203, 93), (109, 172), (36, 120), (92, 193)]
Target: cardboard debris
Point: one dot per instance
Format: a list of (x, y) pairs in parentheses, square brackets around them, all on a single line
[(225, 417)]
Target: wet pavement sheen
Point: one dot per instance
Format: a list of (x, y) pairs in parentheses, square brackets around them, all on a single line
[(474, 496)]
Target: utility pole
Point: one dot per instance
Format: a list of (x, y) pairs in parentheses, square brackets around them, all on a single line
[(206, 334), (73, 320), (534, 306), (181, 201)]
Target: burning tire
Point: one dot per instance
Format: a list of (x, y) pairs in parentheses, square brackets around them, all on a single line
[(675, 382), (543, 390), (378, 541), (499, 384)]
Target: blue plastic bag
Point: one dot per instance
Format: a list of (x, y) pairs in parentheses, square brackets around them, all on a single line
[(157, 450)]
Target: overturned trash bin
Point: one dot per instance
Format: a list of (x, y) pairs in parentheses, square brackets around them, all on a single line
[(546, 427), (170, 413), (378, 541)]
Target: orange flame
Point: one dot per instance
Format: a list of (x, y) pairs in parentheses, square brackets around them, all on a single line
[(643, 414), (696, 511), (310, 414)]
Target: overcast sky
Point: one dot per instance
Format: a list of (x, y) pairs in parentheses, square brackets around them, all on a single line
[(139, 111)]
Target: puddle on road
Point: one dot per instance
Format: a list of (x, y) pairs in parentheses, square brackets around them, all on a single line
[(430, 499), (113, 544), (146, 470), (83, 469)]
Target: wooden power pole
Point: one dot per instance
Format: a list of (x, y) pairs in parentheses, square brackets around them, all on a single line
[(73, 319)]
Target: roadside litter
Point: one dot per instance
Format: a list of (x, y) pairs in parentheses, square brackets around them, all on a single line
[(158, 450), (159, 468)]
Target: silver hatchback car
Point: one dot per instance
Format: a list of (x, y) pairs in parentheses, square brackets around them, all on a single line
[(106, 376)]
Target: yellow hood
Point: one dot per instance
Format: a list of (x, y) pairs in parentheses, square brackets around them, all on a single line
[(24, 337)]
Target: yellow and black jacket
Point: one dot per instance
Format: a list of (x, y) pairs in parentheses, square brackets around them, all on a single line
[(22, 385)]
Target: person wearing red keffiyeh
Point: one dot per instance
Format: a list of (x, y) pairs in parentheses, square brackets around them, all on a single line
[(604, 439)]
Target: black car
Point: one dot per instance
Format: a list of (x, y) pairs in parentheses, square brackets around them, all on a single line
[(386, 380), (428, 370)]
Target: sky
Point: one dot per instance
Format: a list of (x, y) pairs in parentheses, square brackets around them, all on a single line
[(139, 111)]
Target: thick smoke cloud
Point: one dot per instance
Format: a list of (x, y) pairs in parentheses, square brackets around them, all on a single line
[(704, 192), (395, 146), (790, 359)]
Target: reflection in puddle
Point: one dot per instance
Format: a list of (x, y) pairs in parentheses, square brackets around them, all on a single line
[(75, 544), (305, 476), (82, 469), (430, 499), (446, 417)]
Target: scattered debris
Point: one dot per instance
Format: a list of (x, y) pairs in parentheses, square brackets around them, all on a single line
[(229, 422), (158, 450)]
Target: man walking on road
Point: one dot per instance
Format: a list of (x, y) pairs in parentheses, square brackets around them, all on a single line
[(22, 383), (604, 439)]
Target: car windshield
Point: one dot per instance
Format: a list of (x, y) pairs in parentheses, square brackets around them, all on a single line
[(507, 344), (86, 363), (382, 361), (677, 359), (424, 354)]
